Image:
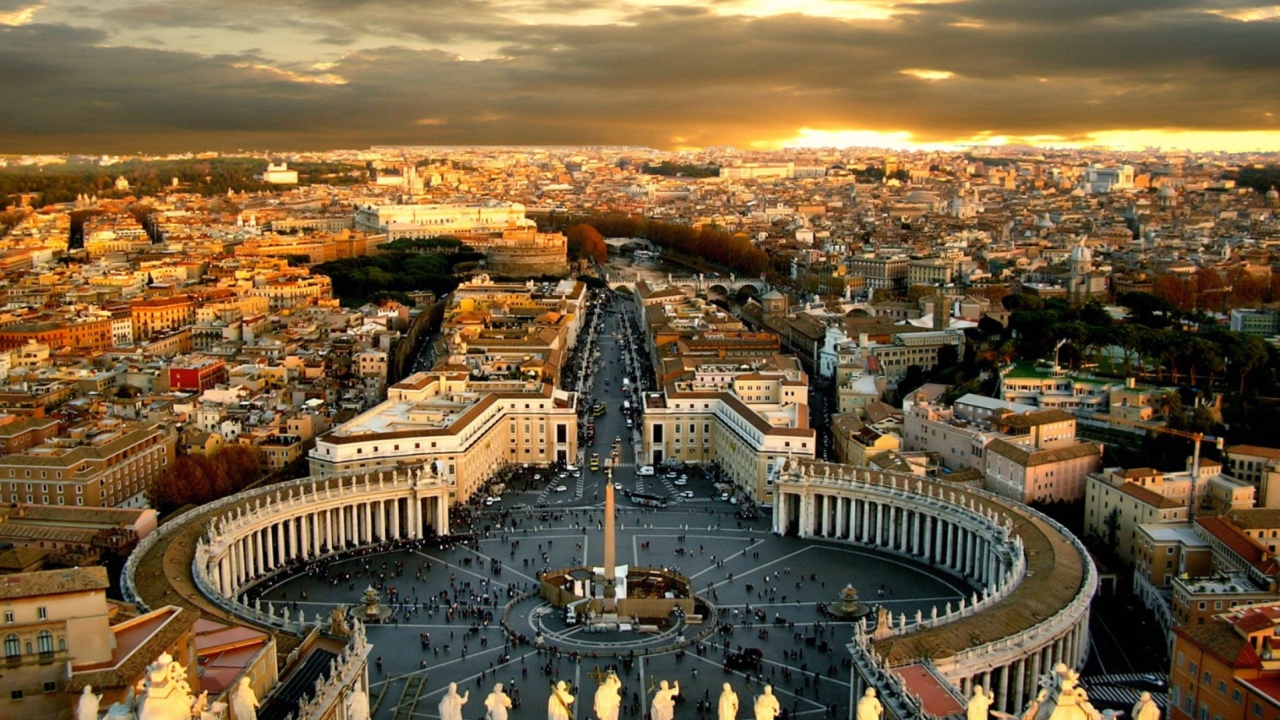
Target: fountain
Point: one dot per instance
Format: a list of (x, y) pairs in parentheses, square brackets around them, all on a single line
[(849, 607), (371, 610)]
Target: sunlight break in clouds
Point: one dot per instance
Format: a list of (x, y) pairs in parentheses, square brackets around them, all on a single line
[(291, 76), (1250, 14), (902, 140), (930, 75), (21, 16)]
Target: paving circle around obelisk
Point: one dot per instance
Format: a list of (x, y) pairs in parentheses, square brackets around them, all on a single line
[(766, 591), (465, 598)]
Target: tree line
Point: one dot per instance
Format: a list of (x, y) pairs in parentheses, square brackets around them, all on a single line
[(734, 252), (62, 183), (199, 479)]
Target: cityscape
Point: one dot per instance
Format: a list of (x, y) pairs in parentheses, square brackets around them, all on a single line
[(868, 360)]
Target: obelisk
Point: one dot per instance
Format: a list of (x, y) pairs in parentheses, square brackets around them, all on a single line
[(610, 592)]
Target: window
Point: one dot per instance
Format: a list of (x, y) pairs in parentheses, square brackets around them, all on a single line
[(44, 642), (12, 648), (8, 616), (42, 613), (15, 695), (1236, 697), (51, 687)]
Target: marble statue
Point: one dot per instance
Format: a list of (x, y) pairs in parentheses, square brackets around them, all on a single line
[(358, 705), (608, 698), (497, 704), (244, 702), (869, 708), (87, 707), (559, 702), (728, 703), (664, 701), (1145, 708), (122, 710), (979, 704), (337, 622), (767, 706), (166, 695), (451, 704)]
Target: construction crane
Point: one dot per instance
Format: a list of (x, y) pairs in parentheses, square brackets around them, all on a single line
[(1195, 437)]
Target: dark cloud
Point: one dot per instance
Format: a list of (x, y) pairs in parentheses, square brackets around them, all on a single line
[(1055, 67)]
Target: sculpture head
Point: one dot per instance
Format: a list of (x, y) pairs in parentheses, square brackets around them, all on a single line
[(768, 689), (727, 688), (453, 688), (978, 691), (871, 692), (561, 686), (663, 685), (1144, 697), (88, 690), (497, 687)]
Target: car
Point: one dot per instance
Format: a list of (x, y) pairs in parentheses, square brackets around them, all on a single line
[(488, 501), (645, 471), (561, 488), (537, 476), (570, 468), (671, 476), (724, 496), (733, 501), (679, 482), (617, 486), (683, 476), (687, 494)]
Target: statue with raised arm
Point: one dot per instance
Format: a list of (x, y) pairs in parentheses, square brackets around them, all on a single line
[(979, 704), (1145, 708), (664, 701), (608, 697), (87, 707), (497, 704), (451, 704), (767, 706), (728, 709), (559, 702), (869, 708)]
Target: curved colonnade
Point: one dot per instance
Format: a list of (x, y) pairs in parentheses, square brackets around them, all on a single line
[(247, 538), (1032, 580)]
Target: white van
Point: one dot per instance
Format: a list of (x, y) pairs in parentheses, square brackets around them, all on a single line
[(646, 471)]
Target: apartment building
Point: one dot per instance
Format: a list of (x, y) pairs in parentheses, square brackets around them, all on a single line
[(881, 273), (1029, 474), (1224, 668), (157, 316), (105, 463), (745, 420), (60, 634), (462, 428), (1255, 464), (1119, 501)]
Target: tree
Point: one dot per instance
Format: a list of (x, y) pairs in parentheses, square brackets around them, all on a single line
[(586, 241), (911, 381)]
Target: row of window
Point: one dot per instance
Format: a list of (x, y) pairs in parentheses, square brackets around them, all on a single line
[(43, 645)]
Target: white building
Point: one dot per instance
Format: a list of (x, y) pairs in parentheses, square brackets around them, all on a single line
[(427, 221)]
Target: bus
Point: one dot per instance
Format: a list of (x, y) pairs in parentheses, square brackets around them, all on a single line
[(648, 500)]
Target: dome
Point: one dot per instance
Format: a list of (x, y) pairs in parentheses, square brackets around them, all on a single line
[(1167, 191), (1272, 194), (1082, 253), (920, 197)]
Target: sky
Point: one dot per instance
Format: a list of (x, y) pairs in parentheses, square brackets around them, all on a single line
[(125, 76)]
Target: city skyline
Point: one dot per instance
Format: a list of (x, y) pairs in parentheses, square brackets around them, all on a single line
[(157, 76)]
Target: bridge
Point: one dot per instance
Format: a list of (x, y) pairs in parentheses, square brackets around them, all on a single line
[(700, 284)]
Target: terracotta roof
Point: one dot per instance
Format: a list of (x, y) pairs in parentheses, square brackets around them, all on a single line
[(1255, 518), (53, 582), (1030, 457), (1218, 639), (1033, 419), (1147, 496), (1242, 545), (1256, 450)]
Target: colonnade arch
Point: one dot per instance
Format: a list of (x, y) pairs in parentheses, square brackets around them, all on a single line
[(1032, 580)]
